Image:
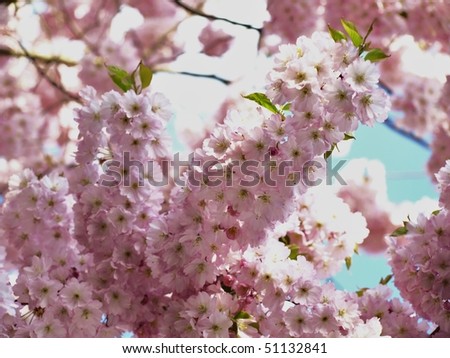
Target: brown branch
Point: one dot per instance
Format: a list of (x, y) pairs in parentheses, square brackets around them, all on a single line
[(194, 11), (391, 124), (52, 82), (194, 74), (37, 57)]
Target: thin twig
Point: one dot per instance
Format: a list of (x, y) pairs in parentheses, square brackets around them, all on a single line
[(52, 82), (194, 74), (212, 17)]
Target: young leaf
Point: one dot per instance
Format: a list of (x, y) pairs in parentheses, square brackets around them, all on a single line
[(434, 213), (361, 291), (286, 107), (400, 231), (120, 77), (348, 262), (242, 315), (375, 55), (348, 136), (263, 101), (145, 74), (356, 249), (336, 35), (294, 251), (385, 280), (285, 240), (352, 32), (328, 153)]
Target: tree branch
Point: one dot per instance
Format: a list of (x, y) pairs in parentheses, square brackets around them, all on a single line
[(193, 74), (212, 17), (37, 57), (52, 82), (391, 124)]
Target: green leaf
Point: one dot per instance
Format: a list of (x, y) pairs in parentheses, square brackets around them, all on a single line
[(328, 153), (295, 252), (121, 78), (361, 291), (145, 74), (255, 325), (436, 212), (242, 315), (356, 249), (286, 107), (352, 32), (400, 231), (385, 280), (336, 35), (348, 136), (227, 289), (263, 101), (348, 262), (285, 240), (375, 55)]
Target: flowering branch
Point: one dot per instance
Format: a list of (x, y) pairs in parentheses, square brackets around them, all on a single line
[(212, 17)]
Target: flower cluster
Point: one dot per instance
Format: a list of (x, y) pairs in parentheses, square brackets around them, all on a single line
[(330, 89), (7, 304), (105, 250), (397, 317), (420, 261), (324, 231), (80, 269), (419, 105), (428, 21), (36, 224), (215, 41), (366, 193), (289, 19), (286, 299), (440, 149)]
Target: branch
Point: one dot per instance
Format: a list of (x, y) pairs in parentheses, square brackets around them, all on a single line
[(193, 74), (37, 57), (56, 85), (391, 124), (212, 17)]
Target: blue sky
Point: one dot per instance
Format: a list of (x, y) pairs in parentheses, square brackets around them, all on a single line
[(405, 163)]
